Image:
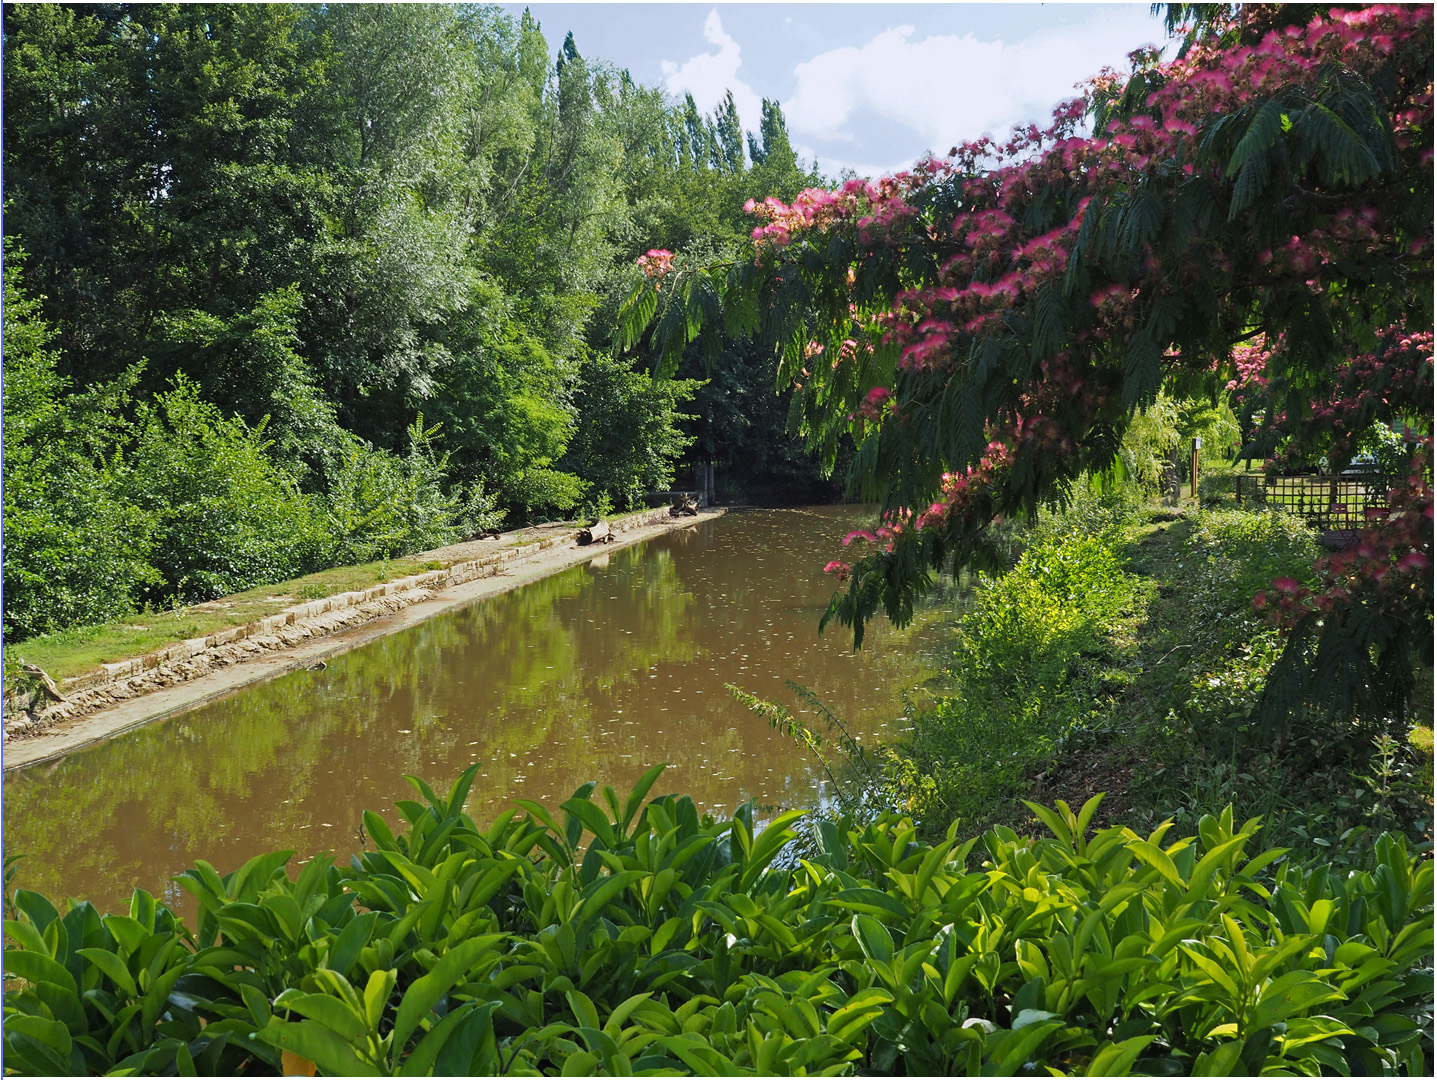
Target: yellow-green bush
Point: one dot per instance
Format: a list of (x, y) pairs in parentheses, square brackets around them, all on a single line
[(1015, 697)]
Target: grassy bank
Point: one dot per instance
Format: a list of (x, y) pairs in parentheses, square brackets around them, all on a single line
[(1121, 654), (82, 649)]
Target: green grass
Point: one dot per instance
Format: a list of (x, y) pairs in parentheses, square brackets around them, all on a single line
[(1156, 710), (83, 649)]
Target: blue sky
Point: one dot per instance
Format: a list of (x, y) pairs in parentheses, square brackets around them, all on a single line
[(863, 86)]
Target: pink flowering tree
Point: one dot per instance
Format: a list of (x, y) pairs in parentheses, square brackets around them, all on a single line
[(985, 325)]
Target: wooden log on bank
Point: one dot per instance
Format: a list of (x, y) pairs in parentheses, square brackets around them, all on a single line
[(684, 506), (597, 533), (41, 683)]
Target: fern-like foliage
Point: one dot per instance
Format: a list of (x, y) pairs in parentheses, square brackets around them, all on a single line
[(987, 327)]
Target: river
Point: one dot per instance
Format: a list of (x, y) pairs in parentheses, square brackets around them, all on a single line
[(595, 673)]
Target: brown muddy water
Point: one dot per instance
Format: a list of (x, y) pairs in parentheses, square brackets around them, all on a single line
[(595, 673)]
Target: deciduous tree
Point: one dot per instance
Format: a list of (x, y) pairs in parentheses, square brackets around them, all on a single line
[(986, 324)]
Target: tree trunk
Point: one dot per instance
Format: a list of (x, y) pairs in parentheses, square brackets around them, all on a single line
[(597, 533)]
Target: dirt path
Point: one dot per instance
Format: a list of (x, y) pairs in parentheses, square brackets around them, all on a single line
[(199, 672)]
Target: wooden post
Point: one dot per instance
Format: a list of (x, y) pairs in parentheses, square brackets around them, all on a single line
[(1197, 445)]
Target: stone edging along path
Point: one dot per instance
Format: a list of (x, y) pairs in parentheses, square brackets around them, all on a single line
[(129, 693)]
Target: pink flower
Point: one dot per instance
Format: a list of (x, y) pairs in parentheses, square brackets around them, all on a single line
[(1413, 560), (656, 262)]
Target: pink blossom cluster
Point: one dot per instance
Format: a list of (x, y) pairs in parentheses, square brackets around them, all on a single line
[(656, 262), (960, 489), (1250, 363), (992, 269), (1396, 379), (893, 525), (878, 402), (995, 265), (860, 201)]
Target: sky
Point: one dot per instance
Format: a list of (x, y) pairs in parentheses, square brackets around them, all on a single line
[(867, 87)]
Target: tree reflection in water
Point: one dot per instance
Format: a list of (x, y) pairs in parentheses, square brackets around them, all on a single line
[(594, 673)]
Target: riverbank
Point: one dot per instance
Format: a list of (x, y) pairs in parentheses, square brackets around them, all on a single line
[(123, 694), (1122, 655)]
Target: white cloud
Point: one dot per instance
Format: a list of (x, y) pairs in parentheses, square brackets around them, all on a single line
[(708, 76), (949, 88)]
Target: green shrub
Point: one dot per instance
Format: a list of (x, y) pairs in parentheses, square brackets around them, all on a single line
[(1220, 701), (626, 938), (542, 491), (77, 547), (1025, 627), (1153, 435), (111, 504), (248, 365), (1022, 642), (380, 506), (1391, 452), (1217, 488), (227, 518), (76, 550), (1092, 509)]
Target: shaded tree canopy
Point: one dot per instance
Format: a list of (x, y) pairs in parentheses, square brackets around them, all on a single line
[(986, 324)]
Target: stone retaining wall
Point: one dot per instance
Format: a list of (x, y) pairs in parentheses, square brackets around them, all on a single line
[(194, 657)]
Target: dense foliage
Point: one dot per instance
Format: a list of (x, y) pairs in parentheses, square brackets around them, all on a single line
[(112, 503), (988, 324), (1016, 694), (330, 282), (626, 938), (1121, 652)]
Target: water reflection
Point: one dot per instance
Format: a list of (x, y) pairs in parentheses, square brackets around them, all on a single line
[(595, 673)]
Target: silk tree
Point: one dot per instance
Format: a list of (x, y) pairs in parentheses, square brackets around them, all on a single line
[(987, 324)]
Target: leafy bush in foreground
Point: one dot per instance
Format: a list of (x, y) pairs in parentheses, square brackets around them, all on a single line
[(667, 943)]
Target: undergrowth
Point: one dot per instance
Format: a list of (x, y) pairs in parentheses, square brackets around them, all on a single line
[(1034, 658), (1121, 653), (618, 937)]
